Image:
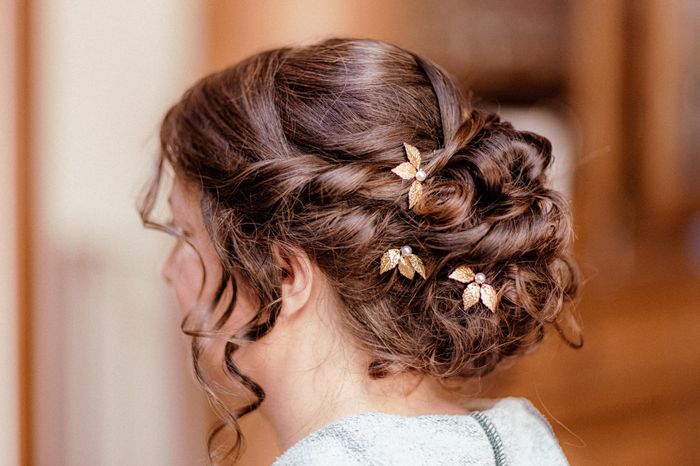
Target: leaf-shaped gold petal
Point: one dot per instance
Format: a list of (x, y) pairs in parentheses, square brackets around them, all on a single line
[(406, 268), (463, 274), (413, 155), (417, 264), (488, 297), (389, 260), (471, 295), (414, 193), (405, 171)]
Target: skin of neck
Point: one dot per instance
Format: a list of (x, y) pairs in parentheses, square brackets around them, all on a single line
[(313, 373)]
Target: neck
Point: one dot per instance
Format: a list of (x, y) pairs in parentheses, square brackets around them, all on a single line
[(324, 379)]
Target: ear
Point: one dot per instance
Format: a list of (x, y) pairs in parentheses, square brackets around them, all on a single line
[(297, 281)]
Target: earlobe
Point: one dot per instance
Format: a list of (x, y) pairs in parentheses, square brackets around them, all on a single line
[(297, 280)]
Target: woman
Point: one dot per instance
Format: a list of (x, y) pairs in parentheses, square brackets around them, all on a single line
[(355, 243)]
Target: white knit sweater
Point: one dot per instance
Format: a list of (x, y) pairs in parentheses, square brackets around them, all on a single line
[(511, 432)]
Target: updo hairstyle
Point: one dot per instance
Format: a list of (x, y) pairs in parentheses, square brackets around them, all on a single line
[(294, 148)]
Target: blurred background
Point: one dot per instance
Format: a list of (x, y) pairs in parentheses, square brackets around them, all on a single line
[(93, 366)]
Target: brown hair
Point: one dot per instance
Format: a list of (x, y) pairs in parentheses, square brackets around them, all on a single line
[(294, 147)]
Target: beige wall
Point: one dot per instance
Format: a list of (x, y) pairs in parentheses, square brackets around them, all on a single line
[(9, 413), (111, 373)]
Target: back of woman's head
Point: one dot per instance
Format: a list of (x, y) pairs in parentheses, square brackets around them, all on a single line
[(293, 149)]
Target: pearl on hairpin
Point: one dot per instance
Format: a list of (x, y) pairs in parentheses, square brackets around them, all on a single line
[(421, 175), (480, 278), (406, 250)]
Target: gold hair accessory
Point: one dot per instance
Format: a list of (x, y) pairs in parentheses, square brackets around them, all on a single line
[(476, 289), (408, 262), (411, 170)]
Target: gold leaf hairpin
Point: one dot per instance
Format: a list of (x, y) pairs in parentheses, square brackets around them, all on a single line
[(477, 288), (411, 170), (407, 262)]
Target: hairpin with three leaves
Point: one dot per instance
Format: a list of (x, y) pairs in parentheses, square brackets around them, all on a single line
[(407, 262), (412, 170), (476, 289)]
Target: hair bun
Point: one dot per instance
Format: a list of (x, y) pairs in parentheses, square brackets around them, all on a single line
[(293, 150), (487, 204)]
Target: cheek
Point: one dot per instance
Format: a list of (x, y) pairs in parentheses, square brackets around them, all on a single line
[(183, 270)]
